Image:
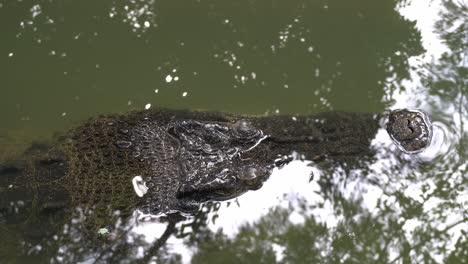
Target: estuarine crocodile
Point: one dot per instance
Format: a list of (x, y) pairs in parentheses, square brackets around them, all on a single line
[(166, 161)]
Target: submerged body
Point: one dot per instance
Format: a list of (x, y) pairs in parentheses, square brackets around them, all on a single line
[(165, 161)]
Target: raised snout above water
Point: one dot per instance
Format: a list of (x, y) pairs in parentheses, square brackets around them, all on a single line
[(410, 130)]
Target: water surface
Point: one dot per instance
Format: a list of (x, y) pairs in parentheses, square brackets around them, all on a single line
[(65, 61)]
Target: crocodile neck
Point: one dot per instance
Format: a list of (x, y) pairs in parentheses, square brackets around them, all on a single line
[(331, 134)]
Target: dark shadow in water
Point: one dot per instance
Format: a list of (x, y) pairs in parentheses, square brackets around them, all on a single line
[(84, 57)]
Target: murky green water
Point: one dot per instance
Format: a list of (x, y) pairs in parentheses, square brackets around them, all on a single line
[(64, 61)]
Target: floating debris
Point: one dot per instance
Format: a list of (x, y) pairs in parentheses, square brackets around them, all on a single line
[(105, 231), (139, 186)]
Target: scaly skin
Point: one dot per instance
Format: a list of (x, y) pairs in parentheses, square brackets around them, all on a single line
[(184, 157)]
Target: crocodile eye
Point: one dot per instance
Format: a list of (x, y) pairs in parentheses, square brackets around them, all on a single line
[(250, 177), (243, 125)]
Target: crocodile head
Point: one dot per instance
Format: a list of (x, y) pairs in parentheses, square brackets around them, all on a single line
[(191, 162)]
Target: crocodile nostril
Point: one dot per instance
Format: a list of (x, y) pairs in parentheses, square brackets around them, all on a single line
[(409, 129)]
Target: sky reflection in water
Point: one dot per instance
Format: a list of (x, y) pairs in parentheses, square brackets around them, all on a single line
[(395, 208)]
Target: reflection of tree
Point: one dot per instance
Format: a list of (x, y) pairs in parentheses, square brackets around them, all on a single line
[(446, 82), (447, 79), (309, 242), (326, 47), (359, 237), (320, 49), (327, 50), (403, 228)]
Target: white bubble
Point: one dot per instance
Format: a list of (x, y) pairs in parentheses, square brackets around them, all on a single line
[(147, 24), (10, 54), (168, 78), (147, 106), (156, 90), (64, 114), (176, 78), (184, 94)]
